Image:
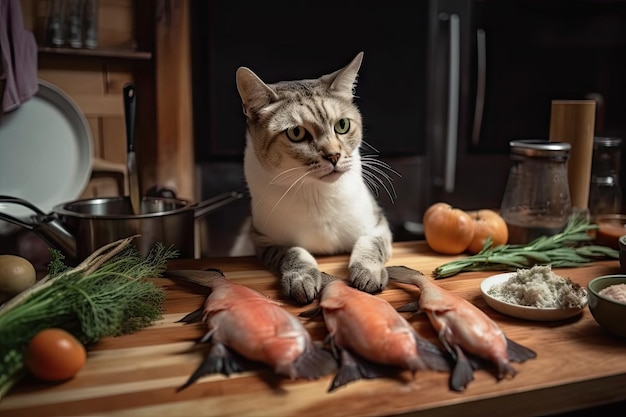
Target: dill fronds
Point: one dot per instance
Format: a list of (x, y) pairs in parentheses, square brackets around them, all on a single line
[(109, 294)]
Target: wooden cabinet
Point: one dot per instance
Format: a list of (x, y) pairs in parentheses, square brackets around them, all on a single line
[(140, 41)]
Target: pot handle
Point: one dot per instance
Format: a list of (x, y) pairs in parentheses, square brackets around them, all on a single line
[(46, 226), (21, 202), (205, 207)]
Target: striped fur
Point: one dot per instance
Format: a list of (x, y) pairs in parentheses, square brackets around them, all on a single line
[(312, 191)]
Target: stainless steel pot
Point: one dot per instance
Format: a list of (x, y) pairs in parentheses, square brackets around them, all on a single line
[(80, 227)]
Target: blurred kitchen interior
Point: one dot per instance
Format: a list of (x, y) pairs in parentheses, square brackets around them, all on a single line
[(444, 86)]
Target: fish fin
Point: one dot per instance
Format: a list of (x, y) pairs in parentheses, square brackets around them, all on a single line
[(410, 307), (219, 360), (314, 363), (354, 368), (431, 355), (193, 317), (311, 313), (462, 372), (517, 352)]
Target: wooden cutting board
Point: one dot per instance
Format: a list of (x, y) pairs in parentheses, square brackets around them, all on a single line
[(578, 363)]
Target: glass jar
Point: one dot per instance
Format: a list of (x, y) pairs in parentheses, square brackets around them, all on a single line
[(605, 193), (536, 199)]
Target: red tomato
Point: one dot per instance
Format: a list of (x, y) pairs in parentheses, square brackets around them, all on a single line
[(55, 355)]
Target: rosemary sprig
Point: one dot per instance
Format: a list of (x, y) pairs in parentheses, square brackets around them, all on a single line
[(569, 248), (108, 294)]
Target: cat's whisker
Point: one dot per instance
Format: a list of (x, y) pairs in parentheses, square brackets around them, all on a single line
[(275, 180), (298, 180), (372, 160), (372, 167), (368, 145), (375, 170), (374, 188), (372, 181), (285, 172)]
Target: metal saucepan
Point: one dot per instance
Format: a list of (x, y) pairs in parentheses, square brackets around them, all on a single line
[(78, 228)]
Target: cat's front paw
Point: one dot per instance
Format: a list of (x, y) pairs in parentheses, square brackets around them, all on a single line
[(302, 285), (370, 279)]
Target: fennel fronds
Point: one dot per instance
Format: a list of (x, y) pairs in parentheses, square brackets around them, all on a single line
[(108, 294)]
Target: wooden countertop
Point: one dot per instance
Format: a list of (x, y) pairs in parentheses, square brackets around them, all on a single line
[(578, 364)]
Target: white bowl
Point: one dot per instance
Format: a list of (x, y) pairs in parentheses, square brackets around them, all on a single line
[(523, 312)]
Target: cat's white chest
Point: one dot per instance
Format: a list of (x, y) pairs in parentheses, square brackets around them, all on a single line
[(324, 220)]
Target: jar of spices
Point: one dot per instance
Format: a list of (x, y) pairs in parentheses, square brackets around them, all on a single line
[(536, 199), (605, 193)]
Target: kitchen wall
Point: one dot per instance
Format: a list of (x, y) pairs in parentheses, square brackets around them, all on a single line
[(94, 84)]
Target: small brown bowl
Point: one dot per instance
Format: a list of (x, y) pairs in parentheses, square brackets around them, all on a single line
[(608, 312), (610, 228), (622, 252)]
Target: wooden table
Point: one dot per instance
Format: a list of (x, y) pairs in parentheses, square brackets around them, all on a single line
[(578, 364)]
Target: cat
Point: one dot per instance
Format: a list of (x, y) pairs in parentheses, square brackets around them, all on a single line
[(312, 192)]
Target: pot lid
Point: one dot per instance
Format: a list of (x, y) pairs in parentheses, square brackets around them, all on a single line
[(45, 151)]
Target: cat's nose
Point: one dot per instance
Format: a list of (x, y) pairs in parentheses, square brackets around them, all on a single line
[(333, 158)]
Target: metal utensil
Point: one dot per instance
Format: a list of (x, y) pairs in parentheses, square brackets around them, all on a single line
[(131, 157)]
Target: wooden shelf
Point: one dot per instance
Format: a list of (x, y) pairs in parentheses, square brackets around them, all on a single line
[(126, 54)]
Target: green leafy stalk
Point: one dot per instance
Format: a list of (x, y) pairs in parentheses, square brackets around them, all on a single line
[(107, 295), (569, 248)]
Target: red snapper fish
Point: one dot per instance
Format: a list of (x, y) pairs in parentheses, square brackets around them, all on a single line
[(244, 323), (370, 337), (463, 328)]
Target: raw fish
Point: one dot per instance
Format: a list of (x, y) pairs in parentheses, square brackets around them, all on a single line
[(463, 328), (243, 322), (371, 337)]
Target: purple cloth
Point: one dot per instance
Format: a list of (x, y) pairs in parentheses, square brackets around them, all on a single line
[(18, 52)]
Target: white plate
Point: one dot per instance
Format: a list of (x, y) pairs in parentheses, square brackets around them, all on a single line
[(45, 152), (523, 312)]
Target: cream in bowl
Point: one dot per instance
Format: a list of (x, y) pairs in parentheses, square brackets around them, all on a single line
[(536, 293), (607, 302)]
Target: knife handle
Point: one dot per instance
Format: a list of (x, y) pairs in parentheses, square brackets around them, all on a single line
[(129, 115)]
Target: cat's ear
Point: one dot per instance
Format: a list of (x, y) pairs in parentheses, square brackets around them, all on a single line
[(255, 94), (343, 82)]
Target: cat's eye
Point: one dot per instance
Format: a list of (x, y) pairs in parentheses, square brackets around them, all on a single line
[(342, 126), (296, 133)]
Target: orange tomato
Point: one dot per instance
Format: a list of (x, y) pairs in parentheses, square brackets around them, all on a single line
[(487, 223), (447, 230), (55, 355)]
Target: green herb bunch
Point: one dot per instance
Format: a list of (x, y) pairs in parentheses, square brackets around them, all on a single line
[(109, 294), (570, 248)]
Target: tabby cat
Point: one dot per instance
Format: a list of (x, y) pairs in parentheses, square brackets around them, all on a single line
[(312, 192)]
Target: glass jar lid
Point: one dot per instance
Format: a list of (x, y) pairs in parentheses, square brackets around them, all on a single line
[(540, 148), (606, 142)]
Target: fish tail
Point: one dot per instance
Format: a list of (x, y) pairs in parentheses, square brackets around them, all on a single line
[(517, 352), (314, 363), (504, 369), (404, 275), (204, 278)]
